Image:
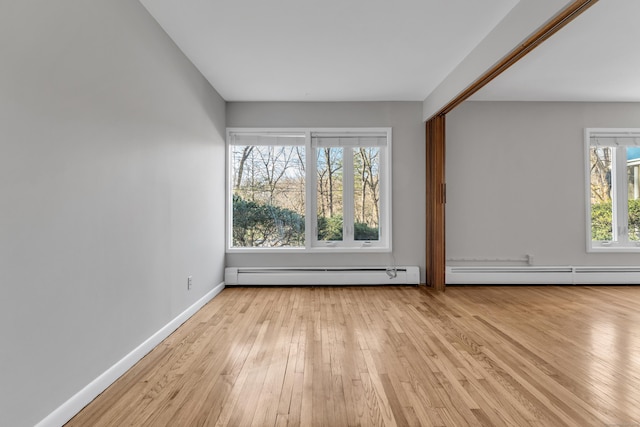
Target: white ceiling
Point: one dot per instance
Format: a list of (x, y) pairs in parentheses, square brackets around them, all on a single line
[(372, 50), (594, 58), (327, 50)]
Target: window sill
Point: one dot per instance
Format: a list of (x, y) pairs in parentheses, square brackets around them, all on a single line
[(614, 249), (318, 250)]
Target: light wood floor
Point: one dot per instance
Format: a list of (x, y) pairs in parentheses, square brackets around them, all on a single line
[(503, 356)]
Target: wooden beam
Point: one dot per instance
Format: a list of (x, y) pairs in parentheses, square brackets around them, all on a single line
[(565, 16), (436, 198)]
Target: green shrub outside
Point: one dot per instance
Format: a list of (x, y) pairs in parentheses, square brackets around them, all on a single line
[(601, 220)]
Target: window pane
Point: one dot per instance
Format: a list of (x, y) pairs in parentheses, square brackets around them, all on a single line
[(601, 179), (633, 185), (366, 183), (268, 195), (329, 193)]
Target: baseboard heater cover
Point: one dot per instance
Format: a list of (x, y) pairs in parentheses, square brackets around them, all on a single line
[(557, 275), (322, 276), (606, 275)]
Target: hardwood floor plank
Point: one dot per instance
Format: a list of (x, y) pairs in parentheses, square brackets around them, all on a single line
[(386, 356)]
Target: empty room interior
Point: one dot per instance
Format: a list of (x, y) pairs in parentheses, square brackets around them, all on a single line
[(311, 213)]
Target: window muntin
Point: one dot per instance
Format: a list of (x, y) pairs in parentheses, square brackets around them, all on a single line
[(613, 190), (309, 189)]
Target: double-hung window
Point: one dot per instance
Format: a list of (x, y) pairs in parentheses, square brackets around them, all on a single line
[(613, 189), (311, 190)]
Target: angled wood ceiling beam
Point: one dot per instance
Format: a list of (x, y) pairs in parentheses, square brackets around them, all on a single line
[(565, 16)]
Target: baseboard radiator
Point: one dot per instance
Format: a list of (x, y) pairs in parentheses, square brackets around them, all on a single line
[(278, 276), (552, 275)]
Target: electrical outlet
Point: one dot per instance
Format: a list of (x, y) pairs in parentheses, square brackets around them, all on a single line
[(189, 282)]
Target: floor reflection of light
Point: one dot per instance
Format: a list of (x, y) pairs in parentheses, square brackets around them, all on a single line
[(614, 365), (603, 337), (236, 350)]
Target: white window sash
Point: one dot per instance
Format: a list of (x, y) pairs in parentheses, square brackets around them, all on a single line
[(349, 139), (618, 139), (262, 140)]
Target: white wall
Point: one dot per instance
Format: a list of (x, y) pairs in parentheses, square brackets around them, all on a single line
[(408, 172), (515, 180), (111, 193)]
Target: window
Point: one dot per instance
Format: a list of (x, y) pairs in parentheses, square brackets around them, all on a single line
[(613, 190), (309, 189)]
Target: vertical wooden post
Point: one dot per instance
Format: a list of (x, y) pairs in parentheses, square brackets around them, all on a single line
[(436, 198)]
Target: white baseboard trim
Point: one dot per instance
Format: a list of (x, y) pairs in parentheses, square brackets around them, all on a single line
[(71, 407)]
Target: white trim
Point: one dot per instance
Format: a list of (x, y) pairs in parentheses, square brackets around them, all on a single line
[(385, 229), (603, 248), (310, 194), (348, 199), (614, 132), (362, 248), (551, 275), (71, 407), (587, 187)]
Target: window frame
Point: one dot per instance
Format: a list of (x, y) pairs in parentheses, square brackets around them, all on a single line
[(312, 245), (620, 242)]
